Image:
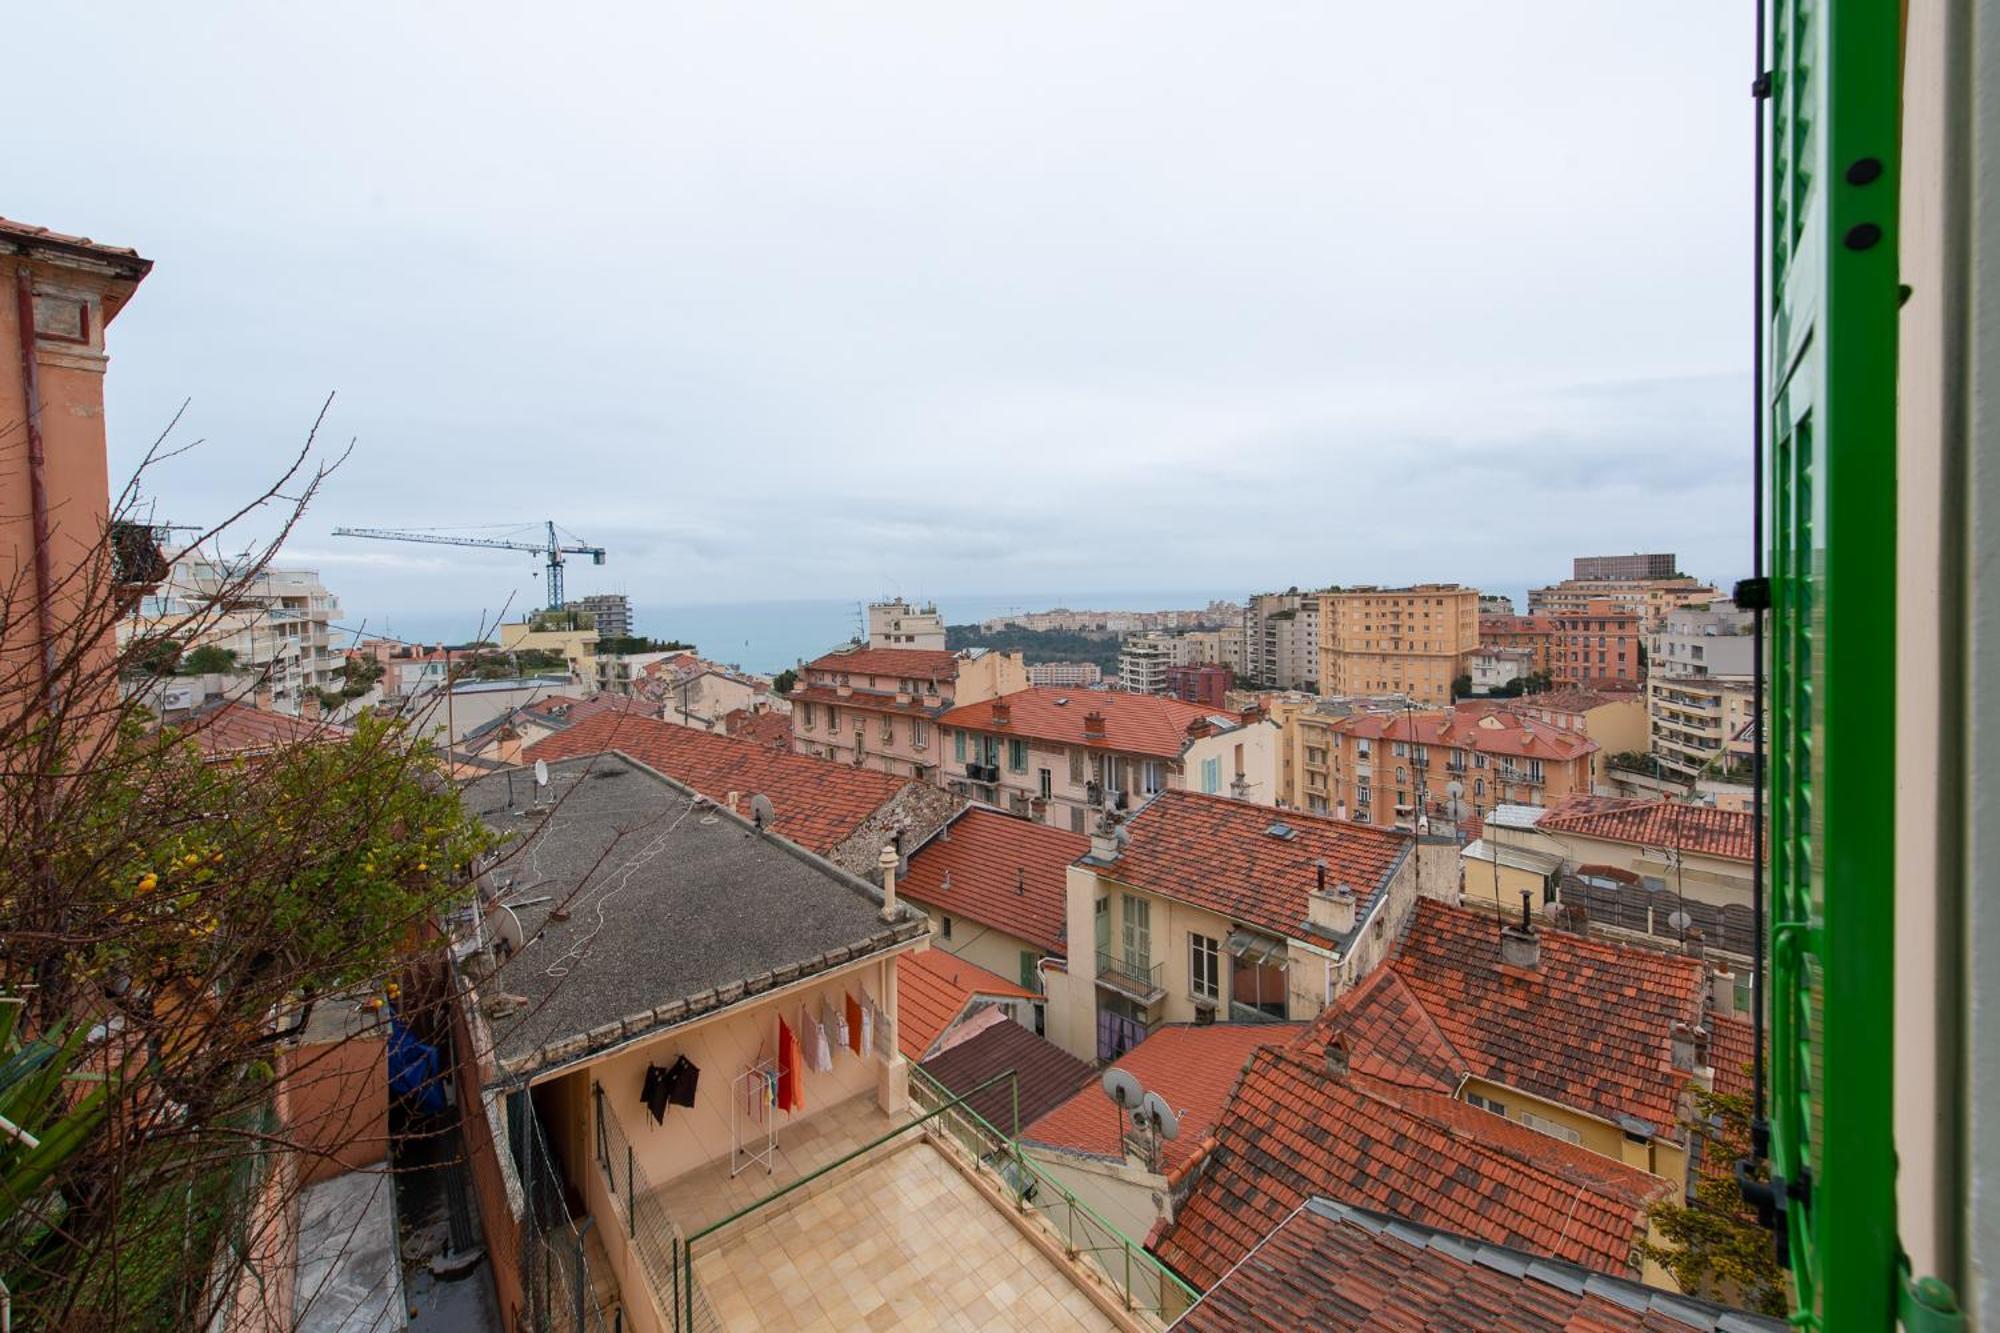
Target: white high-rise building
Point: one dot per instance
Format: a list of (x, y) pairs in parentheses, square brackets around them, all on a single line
[(898, 624), (278, 622)]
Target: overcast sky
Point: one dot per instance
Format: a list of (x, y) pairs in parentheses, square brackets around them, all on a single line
[(831, 299)]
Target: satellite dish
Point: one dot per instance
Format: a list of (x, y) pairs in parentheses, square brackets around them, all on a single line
[(1454, 789), (1679, 921), (541, 772), (1551, 911), (762, 813), (1122, 1088), (506, 927), (1153, 1109)]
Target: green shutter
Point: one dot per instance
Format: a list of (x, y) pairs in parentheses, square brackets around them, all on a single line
[(958, 746), (1831, 368)]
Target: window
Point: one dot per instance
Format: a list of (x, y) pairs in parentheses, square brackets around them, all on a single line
[(1047, 783), (806, 716), (1361, 794), (958, 746), (1479, 786), (1479, 761), (1204, 968), (1402, 774), (1031, 974), (1400, 750), (1138, 935), (1153, 777), (920, 733), (1077, 768), (1103, 924), (832, 718), (1486, 1104), (888, 730), (1076, 819), (1017, 755), (1211, 776), (1551, 1128), (944, 927)]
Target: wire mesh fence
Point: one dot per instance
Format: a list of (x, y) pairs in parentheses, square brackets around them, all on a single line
[(555, 1272), (650, 1230)]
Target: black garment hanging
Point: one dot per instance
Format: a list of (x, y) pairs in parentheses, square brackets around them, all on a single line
[(656, 1092), (681, 1080)]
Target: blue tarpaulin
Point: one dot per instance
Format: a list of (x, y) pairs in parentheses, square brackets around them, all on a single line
[(414, 1068)]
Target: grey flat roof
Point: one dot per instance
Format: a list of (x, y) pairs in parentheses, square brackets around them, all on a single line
[(675, 909)]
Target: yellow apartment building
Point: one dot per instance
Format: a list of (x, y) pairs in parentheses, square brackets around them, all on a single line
[(1412, 641)]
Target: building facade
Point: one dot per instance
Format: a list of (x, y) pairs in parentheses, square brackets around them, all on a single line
[(1652, 565), (1413, 641), (1496, 668), (1386, 767), (1537, 634), (610, 613), (278, 621), (1615, 719), (1200, 684), (1596, 645), (898, 624), (1065, 759), (1648, 599), (1281, 640), (879, 708), (1074, 675)]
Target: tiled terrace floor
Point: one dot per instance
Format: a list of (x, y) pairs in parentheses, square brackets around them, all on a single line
[(897, 1239)]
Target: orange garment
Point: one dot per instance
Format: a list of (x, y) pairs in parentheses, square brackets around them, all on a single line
[(791, 1083), (853, 1025)]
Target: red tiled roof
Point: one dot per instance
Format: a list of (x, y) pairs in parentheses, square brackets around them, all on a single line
[(1145, 724), (932, 991), (866, 700), (569, 710), (1516, 625), (1293, 1130), (1194, 1068), (1570, 700), (819, 804), (767, 728), (1005, 873), (1664, 823), (1334, 1267), (902, 663), (1220, 854), (1045, 1075), (1494, 731), (1391, 1036), (236, 730), (1731, 1050), (27, 232), (1590, 1029)]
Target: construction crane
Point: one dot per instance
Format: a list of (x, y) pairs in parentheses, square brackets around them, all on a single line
[(552, 549)]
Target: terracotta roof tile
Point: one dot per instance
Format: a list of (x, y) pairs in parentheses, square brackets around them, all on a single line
[(1488, 731), (1391, 1036), (1662, 823), (1220, 854), (902, 663), (29, 233), (768, 728), (1045, 1074), (1336, 1267), (237, 730), (1590, 1029), (933, 990), (1194, 1068), (1293, 1130), (1004, 873), (1144, 724), (1731, 1050), (819, 804)]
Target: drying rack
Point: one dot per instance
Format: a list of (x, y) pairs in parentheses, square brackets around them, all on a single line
[(763, 1141)]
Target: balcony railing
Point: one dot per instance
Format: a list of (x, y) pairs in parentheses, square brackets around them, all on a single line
[(1132, 977)]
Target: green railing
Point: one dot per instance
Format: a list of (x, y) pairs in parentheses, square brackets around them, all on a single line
[(1143, 1283)]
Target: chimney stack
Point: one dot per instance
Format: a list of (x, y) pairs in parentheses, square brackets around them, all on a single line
[(1520, 946), (1093, 726), (1003, 713), (1722, 993), (887, 863), (729, 802), (1104, 840), (1685, 1049), (1329, 913)]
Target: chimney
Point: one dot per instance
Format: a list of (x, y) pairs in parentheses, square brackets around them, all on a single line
[(729, 801), (260, 698), (1252, 714), (1688, 1045), (1198, 728), (1520, 946), (1722, 993), (1695, 943), (309, 706), (886, 862), (1003, 713), (1337, 1055), (1093, 726), (1329, 913), (1104, 840)]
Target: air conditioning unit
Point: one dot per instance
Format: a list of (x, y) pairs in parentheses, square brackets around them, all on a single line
[(176, 698)]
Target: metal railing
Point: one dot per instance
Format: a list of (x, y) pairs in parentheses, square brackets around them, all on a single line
[(555, 1276), (1132, 974), (1144, 1284), (649, 1228)]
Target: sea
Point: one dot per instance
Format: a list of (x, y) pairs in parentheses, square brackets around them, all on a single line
[(768, 636)]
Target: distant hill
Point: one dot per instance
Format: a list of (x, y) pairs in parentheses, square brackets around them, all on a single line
[(1051, 645)]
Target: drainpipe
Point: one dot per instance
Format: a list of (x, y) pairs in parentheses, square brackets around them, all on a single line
[(38, 486)]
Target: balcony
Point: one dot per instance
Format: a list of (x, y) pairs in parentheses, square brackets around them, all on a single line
[(1132, 977), (986, 773)]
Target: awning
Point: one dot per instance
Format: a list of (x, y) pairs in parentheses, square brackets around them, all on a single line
[(1257, 950)]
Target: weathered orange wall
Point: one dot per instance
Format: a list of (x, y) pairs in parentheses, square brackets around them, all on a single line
[(340, 1106)]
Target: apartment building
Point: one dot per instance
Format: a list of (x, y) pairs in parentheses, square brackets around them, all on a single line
[(1217, 647), (1281, 640), (577, 645), (1615, 719), (1385, 767), (1065, 759), (1597, 645), (898, 624), (1412, 641), (1497, 668), (1652, 565), (1648, 599), (54, 476), (278, 622), (608, 613), (1200, 908), (1495, 604), (1201, 684), (1698, 692), (880, 708), (1537, 634), (1143, 660), (1072, 675)]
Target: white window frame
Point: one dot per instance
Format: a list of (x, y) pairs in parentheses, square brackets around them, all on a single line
[(1203, 950)]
